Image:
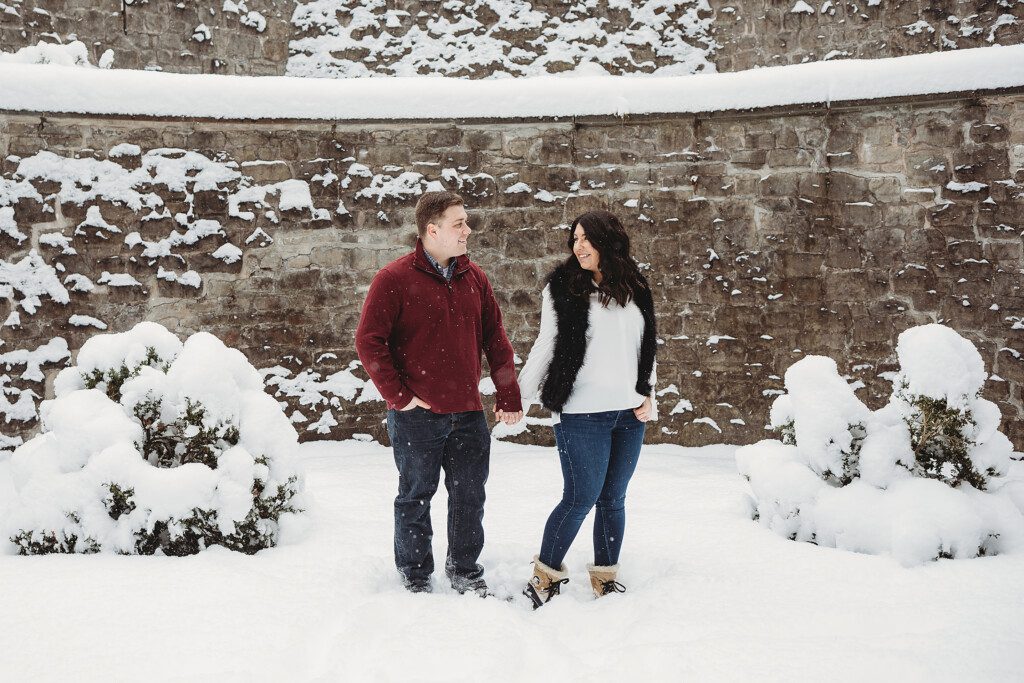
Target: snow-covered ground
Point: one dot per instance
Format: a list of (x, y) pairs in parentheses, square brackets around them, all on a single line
[(712, 596)]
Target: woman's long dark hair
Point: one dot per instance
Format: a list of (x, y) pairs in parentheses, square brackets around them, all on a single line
[(620, 276)]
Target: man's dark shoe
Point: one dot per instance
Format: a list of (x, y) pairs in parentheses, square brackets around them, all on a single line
[(463, 585), (419, 587)]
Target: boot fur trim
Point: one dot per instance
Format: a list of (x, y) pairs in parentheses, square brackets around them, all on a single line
[(602, 579), (555, 574)]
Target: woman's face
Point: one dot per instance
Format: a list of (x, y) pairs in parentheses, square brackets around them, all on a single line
[(586, 254)]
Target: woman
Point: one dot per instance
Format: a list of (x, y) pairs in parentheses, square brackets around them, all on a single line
[(593, 367)]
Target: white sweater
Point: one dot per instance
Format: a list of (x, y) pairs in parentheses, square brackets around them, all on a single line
[(607, 379)]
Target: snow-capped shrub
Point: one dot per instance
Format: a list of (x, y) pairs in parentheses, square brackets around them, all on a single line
[(827, 418), (886, 453), (780, 419), (75, 53), (928, 475), (782, 484), (938, 393), (151, 445)]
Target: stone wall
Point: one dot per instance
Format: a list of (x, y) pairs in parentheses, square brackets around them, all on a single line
[(479, 38), (206, 36), (753, 33), (767, 235)]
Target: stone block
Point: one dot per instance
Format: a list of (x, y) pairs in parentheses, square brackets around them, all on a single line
[(748, 158), (297, 280), (1004, 252), (554, 148), (856, 285), (210, 204), (843, 253), (931, 168), (443, 137), (790, 156), (955, 220), (482, 139), (265, 172), (780, 184), (845, 187), (29, 211), (988, 133), (800, 265), (526, 243), (331, 256), (935, 130), (806, 289)]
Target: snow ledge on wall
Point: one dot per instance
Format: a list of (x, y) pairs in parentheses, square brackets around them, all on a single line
[(64, 89)]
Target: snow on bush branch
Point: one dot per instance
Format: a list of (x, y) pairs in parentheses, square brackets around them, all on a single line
[(926, 476), (75, 53), (153, 446)]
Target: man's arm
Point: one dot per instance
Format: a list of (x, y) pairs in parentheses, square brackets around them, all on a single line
[(498, 350), (380, 311)]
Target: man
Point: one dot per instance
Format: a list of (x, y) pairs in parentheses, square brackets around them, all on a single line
[(427, 318)]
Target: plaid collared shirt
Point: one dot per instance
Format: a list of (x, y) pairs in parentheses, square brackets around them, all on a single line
[(446, 273)]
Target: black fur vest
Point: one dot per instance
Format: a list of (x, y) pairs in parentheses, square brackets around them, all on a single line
[(572, 314)]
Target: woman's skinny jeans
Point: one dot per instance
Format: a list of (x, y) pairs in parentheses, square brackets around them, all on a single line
[(598, 452)]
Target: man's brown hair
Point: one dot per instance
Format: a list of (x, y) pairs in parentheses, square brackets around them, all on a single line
[(432, 206)]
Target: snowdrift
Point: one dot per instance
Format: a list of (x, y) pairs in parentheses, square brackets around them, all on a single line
[(927, 476), (153, 446)]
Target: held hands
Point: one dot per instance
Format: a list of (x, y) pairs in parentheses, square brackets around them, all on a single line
[(643, 411), (508, 417), (415, 403)]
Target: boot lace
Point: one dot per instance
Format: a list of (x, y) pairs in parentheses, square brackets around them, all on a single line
[(555, 588), (612, 586)]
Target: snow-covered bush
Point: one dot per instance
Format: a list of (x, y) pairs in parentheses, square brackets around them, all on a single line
[(953, 431), (151, 445), (823, 417), (929, 475), (75, 53)]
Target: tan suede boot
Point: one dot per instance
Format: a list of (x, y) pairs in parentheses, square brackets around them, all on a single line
[(602, 580), (545, 582)]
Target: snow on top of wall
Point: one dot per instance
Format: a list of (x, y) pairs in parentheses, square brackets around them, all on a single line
[(500, 38), (49, 88)]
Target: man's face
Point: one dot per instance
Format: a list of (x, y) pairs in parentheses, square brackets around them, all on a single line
[(450, 233)]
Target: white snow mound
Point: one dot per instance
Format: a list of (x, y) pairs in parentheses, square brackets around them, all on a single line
[(154, 446), (927, 476)]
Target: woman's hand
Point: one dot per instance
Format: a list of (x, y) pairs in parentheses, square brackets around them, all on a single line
[(508, 417), (643, 411)]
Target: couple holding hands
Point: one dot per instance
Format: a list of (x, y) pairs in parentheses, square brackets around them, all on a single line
[(427, 319)]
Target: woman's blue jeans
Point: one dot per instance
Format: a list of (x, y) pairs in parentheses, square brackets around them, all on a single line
[(598, 452)]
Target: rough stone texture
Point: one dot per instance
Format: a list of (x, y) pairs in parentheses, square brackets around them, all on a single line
[(480, 38), (768, 236), (754, 33), (470, 39), (160, 34)]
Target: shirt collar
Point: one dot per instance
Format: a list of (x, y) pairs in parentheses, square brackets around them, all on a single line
[(446, 273)]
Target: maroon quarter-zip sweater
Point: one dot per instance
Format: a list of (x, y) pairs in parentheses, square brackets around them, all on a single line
[(419, 335)]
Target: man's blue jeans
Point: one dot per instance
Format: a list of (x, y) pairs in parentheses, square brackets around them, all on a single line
[(598, 452), (424, 443)]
